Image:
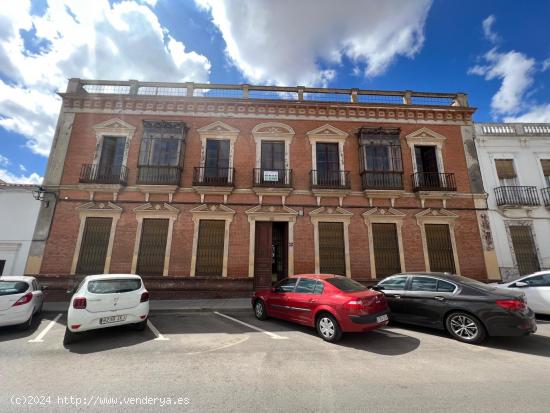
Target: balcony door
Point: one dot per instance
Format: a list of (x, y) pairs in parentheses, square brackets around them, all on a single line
[(272, 163), (328, 164), (426, 167), (217, 161), (112, 156)]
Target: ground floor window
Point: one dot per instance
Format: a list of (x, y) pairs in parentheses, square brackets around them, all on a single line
[(94, 245), (440, 248), (210, 248), (386, 249), (152, 246), (332, 257), (524, 249)]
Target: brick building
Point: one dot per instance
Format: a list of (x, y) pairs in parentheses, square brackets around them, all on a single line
[(216, 188)]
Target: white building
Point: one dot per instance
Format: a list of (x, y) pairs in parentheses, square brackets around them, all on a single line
[(18, 214), (514, 160)]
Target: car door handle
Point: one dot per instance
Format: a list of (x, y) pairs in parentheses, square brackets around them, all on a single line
[(439, 298), (312, 300)]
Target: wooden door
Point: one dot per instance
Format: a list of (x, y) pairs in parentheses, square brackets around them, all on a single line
[(263, 255), (332, 257), (210, 248)]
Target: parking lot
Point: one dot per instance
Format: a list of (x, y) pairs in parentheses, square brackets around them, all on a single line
[(229, 361)]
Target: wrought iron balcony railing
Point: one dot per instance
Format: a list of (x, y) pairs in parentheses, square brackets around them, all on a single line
[(272, 178), (546, 196), (517, 196), (159, 175), (208, 176), (96, 174), (330, 179), (433, 181), (382, 180)]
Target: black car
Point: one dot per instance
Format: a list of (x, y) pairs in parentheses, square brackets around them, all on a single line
[(468, 309)]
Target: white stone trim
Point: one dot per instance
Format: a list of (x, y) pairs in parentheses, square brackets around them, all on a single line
[(272, 131), (329, 134), (426, 137), (96, 210), (212, 212), (386, 216), (331, 214), (117, 128)]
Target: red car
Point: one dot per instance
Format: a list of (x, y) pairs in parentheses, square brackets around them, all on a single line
[(331, 303)]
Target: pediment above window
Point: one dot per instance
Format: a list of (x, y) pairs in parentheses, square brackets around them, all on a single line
[(271, 210), (383, 213), (156, 209), (432, 215), (99, 209), (218, 128), (327, 132), (425, 136), (114, 126), (272, 130)]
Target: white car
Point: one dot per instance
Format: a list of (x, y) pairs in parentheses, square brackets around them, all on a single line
[(20, 299), (107, 300), (536, 288)]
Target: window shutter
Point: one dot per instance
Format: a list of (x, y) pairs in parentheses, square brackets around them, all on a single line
[(505, 168), (545, 163)]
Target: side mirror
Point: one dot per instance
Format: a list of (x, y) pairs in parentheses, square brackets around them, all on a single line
[(70, 291), (521, 284), (43, 287)]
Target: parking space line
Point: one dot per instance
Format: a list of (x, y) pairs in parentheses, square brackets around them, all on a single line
[(270, 334), (39, 338), (159, 336)]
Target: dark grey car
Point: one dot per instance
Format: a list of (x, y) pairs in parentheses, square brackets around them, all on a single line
[(468, 309)]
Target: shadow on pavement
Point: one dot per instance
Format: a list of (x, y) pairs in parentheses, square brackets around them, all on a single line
[(534, 344), (15, 332)]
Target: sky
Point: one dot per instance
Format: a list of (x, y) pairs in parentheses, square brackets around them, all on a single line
[(496, 51)]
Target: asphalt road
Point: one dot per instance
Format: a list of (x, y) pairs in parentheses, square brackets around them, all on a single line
[(203, 362)]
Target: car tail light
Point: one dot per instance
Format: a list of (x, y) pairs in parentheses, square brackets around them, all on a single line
[(144, 297), (79, 303), (355, 305), (23, 300), (512, 305), (75, 326)]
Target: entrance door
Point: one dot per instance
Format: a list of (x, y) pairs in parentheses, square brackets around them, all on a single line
[(332, 258), (270, 253)]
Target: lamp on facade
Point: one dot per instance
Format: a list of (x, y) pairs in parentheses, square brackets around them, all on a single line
[(39, 194)]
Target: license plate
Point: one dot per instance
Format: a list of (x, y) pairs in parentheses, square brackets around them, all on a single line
[(382, 318), (112, 319)]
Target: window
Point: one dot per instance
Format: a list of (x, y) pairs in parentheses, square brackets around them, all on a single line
[(2, 265), (286, 286), (345, 284), (273, 155), (306, 286), (394, 283), (112, 156), (93, 248), (538, 281), (328, 164), (217, 159), (445, 287), (114, 286), (440, 248), (524, 249), (506, 172), (210, 247), (161, 152), (152, 246), (545, 164), (12, 287), (319, 288), (381, 161), (386, 249), (423, 284), (331, 248)]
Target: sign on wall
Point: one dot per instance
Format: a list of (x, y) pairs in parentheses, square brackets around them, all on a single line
[(271, 176)]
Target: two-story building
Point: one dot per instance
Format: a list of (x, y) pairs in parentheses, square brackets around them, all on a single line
[(515, 165), (219, 188)]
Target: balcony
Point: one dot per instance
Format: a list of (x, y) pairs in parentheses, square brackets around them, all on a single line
[(272, 178), (546, 196), (433, 181), (517, 196), (330, 180), (93, 174), (382, 180), (207, 176), (159, 175)]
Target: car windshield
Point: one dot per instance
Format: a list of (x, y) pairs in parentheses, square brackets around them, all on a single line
[(473, 283), (114, 286), (13, 287), (345, 284)]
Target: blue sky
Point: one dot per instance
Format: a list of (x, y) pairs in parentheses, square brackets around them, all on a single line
[(496, 51)]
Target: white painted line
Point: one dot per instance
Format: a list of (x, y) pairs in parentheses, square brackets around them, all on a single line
[(270, 334), (39, 338), (156, 332)]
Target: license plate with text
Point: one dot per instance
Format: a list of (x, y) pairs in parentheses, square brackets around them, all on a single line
[(382, 318), (112, 319)]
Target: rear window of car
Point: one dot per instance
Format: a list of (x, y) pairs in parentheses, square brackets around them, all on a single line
[(13, 287), (114, 286), (473, 283), (345, 284)]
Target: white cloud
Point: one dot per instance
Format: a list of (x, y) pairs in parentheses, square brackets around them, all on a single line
[(535, 114), (11, 178), (22, 168), (545, 65), (88, 39), (4, 161), (288, 42), (488, 29), (516, 71)]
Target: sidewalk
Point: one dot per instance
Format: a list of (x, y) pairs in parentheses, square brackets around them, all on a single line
[(222, 304)]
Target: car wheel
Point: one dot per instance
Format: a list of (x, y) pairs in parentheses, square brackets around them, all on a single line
[(69, 337), (328, 328), (465, 327), (141, 326), (27, 324), (259, 310)]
